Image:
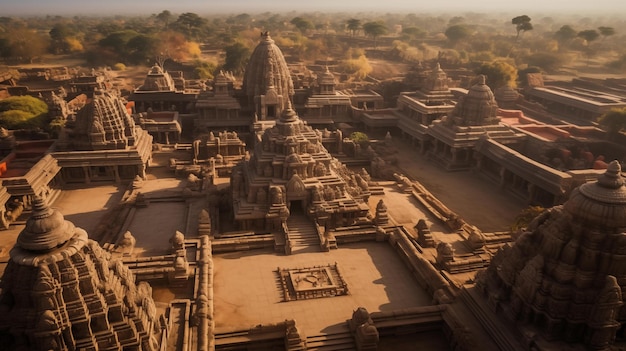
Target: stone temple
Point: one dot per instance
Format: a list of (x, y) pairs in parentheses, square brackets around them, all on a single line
[(61, 291), (292, 173), (564, 278), (267, 83)]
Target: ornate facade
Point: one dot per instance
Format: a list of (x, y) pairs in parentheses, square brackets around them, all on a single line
[(475, 116), (61, 291), (267, 84), (565, 275), (291, 170), (103, 143)]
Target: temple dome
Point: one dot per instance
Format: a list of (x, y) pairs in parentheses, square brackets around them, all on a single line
[(45, 230), (603, 202), (478, 107), (267, 69)]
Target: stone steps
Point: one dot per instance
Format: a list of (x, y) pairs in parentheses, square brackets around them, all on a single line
[(302, 233), (342, 341)]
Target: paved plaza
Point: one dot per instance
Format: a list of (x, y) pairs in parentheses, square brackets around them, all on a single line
[(247, 292)]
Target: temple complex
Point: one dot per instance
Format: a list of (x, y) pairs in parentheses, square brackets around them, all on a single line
[(243, 227), (61, 291)]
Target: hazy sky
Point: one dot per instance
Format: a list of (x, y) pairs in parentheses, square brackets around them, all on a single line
[(90, 7)]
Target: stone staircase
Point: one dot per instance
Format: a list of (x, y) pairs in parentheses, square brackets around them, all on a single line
[(302, 234), (340, 341)]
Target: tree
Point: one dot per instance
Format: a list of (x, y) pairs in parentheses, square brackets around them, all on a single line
[(522, 24), (353, 25), (565, 34), (302, 24), (237, 56), (498, 73), (165, 17), (457, 33), (26, 44), (614, 120), (606, 31), (18, 112), (375, 29), (589, 35), (360, 138), (190, 24)]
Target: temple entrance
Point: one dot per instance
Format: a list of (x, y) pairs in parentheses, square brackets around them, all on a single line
[(271, 111), (296, 207)]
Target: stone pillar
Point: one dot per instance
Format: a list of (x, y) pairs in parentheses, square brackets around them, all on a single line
[(116, 173), (86, 173)]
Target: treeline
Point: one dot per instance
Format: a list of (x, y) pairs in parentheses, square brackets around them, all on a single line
[(547, 43)]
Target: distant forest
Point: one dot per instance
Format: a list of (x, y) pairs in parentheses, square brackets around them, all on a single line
[(481, 42)]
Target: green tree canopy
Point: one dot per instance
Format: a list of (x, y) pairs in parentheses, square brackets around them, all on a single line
[(375, 29), (457, 33), (606, 31), (589, 35), (353, 25), (565, 34), (165, 17), (17, 112), (237, 56), (614, 120), (522, 24), (191, 25), (499, 74), (360, 138), (302, 24)]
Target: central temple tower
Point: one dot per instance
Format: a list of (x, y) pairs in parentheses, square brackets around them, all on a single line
[(267, 83)]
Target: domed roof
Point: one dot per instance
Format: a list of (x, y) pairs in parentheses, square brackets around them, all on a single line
[(479, 106), (602, 202), (45, 229), (481, 91), (267, 69)]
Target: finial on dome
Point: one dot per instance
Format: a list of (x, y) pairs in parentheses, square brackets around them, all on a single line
[(438, 67), (482, 79), (40, 208), (612, 178)]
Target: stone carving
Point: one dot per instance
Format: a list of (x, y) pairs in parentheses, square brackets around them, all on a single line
[(548, 275), (127, 243), (382, 218), (445, 253), (68, 277), (424, 237)]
